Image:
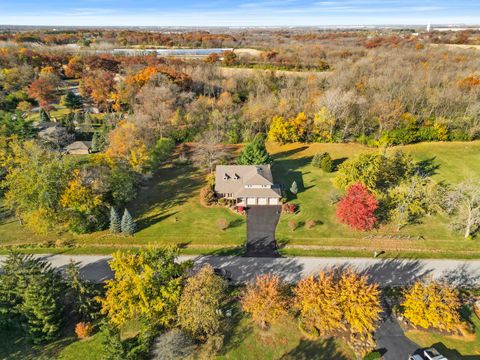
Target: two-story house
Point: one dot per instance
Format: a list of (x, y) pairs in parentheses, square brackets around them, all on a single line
[(247, 184)]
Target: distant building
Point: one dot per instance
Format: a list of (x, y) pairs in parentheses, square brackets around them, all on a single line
[(79, 148), (247, 184)]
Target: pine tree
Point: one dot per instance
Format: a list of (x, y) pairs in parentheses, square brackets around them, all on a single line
[(112, 345), (127, 225), (294, 188), (255, 153), (115, 224), (44, 116), (43, 306)]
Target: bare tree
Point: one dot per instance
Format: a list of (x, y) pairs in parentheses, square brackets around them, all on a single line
[(464, 202), (209, 151)]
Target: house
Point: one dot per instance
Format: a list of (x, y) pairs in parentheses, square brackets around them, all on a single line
[(247, 184), (79, 148)]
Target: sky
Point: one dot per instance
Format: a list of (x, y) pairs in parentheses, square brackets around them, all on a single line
[(238, 13)]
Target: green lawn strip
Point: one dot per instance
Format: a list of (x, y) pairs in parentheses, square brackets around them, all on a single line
[(453, 347)]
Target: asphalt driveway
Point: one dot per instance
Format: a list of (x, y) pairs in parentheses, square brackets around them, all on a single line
[(391, 341), (262, 221)]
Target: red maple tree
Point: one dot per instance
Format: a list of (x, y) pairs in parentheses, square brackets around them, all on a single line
[(357, 208)]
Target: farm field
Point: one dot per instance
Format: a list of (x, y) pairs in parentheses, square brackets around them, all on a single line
[(168, 212)]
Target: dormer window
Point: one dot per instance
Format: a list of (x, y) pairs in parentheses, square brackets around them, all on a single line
[(226, 176), (236, 177)]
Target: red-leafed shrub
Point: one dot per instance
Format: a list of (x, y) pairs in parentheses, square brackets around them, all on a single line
[(241, 209), (83, 330), (289, 208), (357, 208)]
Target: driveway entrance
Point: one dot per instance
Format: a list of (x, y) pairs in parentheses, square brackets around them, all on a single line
[(262, 221)]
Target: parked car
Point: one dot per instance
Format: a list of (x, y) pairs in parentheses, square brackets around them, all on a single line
[(415, 357), (227, 275), (433, 354)]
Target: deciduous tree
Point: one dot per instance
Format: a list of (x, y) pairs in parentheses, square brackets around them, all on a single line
[(198, 311), (318, 302), (432, 305), (265, 300), (146, 284), (357, 208)]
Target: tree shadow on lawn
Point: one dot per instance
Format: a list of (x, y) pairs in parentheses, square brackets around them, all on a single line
[(16, 346), (337, 162), (453, 354), (315, 350), (288, 153), (428, 167), (285, 172), (170, 187)]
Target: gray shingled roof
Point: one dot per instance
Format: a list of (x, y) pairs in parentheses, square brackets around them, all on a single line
[(79, 145), (237, 176)]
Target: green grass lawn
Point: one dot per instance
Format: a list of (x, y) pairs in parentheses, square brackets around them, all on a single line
[(168, 211), (280, 341), (455, 161), (453, 347), (243, 341)]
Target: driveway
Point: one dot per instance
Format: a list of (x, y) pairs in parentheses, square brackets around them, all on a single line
[(391, 341), (262, 221)]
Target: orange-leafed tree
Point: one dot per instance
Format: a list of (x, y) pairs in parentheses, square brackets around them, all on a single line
[(125, 143), (99, 85), (432, 305), (44, 90), (265, 300)]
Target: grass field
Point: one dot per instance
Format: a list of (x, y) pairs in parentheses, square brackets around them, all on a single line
[(168, 211)]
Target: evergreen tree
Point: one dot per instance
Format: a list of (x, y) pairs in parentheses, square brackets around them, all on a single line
[(81, 294), (115, 224), (43, 306), (255, 153), (112, 345), (44, 116), (72, 101), (327, 163), (294, 188), (127, 225), (98, 142)]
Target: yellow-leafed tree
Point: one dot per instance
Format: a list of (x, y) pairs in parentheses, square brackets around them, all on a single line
[(360, 304), (146, 284), (432, 305), (318, 302), (265, 300)]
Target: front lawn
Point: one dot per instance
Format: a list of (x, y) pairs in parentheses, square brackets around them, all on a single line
[(168, 211)]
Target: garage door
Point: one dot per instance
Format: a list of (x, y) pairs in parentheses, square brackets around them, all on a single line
[(251, 201), (273, 201), (262, 201)]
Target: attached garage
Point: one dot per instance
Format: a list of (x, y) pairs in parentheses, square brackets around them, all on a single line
[(251, 201), (273, 201), (262, 201)]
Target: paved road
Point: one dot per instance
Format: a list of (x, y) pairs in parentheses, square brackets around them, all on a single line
[(385, 272), (262, 221)]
